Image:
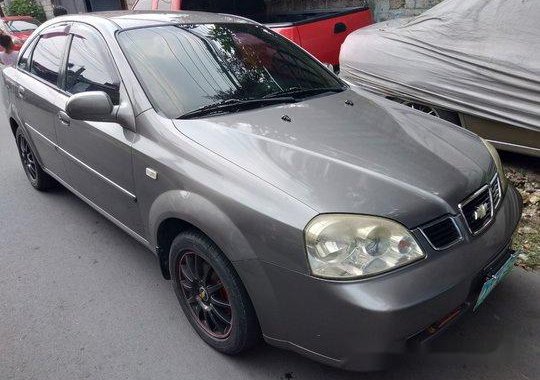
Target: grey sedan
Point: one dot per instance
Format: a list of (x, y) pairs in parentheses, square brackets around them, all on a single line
[(282, 204)]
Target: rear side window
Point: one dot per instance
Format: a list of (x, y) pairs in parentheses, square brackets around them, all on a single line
[(143, 5), (89, 66), (47, 56)]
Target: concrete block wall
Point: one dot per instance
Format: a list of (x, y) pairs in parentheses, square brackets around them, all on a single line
[(382, 9), (389, 9), (47, 7)]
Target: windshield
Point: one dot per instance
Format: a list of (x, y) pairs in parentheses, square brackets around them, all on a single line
[(23, 25), (185, 67)]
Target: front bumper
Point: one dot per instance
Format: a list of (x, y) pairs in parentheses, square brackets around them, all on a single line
[(360, 325)]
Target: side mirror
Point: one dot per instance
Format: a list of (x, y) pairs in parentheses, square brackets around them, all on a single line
[(91, 106)]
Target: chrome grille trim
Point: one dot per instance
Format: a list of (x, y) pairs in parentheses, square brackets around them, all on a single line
[(437, 221), (494, 190), (491, 192)]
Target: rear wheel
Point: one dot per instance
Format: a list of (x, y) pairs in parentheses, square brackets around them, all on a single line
[(34, 172), (211, 294)]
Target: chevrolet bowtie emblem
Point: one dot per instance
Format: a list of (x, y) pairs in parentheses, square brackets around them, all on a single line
[(481, 211)]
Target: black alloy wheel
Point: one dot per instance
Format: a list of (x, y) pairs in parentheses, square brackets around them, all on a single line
[(211, 294), (27, 158), (38, 178), (205, 294)]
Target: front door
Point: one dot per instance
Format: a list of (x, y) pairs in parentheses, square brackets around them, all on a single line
[(97, 154)]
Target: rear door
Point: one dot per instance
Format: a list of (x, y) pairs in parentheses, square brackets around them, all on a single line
[(38, 94), (98, 154)]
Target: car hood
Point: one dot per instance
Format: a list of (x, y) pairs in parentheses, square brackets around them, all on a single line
[(375, 157)]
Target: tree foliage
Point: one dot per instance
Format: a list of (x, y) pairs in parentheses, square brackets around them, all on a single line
[(26, 8)]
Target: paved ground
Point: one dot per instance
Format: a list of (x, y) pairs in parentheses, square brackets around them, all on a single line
[(81, 299)]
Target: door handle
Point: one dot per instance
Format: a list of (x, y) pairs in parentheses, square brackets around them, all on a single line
[(340, 28), (64, 118), (20, 92)]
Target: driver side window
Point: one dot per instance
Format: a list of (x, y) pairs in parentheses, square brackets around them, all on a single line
[(89, 66)]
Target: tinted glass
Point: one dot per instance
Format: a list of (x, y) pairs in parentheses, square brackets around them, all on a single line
[(143, 5), (47, 57), (90, 67), (22, 25), (185, 67)]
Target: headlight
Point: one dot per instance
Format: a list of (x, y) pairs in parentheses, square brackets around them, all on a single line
[(342, 246), (495, 155)]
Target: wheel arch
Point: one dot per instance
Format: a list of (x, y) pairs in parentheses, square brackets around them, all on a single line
[(15, 126), (176, 211), (166, 232)]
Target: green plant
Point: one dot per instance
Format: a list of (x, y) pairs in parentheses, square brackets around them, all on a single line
[(26, 8)]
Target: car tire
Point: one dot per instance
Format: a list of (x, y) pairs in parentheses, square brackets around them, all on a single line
[(450, 116), (197, 267), (37, 177)]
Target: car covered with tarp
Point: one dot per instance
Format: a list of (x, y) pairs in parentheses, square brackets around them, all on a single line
[(475, 63)]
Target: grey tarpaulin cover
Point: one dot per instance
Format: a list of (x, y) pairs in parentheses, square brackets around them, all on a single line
[(480, 57)]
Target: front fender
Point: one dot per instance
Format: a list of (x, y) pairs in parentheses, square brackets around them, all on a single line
[(204, 215)]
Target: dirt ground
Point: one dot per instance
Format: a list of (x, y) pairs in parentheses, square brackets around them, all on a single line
[(524, 173)]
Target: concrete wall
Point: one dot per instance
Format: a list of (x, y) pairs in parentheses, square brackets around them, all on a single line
[(382, 9), (388, 9), (47, 7)]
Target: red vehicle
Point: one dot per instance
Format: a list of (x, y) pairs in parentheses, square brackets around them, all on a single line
[(320, 32), (19, 28)]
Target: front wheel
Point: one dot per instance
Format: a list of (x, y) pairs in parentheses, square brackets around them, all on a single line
[(211, 294)]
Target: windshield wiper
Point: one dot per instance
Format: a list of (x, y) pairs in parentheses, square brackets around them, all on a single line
[(301, 92), (235, 105)]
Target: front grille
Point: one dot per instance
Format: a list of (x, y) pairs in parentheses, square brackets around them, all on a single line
[(442, 234), (478, 209), (496, 192)]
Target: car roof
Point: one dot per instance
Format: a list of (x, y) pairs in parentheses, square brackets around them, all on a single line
[(131, 19)]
